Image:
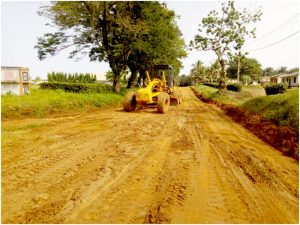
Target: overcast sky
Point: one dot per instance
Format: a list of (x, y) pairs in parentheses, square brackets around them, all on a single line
[(277, 42)]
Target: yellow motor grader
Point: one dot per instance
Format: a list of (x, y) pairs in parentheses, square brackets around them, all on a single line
[(159, 92)]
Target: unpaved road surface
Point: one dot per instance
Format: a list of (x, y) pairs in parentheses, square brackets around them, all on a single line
[(191, 165)]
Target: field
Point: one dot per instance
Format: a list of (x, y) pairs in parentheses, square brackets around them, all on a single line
[(41, 103), (193, 164)]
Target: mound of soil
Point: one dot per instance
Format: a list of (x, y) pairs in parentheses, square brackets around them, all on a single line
[(283, 138)]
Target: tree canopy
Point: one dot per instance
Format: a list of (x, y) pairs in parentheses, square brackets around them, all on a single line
[(224, 34), (249, 67), (120, 33)]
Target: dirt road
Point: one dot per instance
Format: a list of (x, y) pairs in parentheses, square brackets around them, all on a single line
[(191, 165)]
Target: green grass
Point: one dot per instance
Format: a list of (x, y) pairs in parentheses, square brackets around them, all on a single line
[(44, 102), (231, 97), (282, 107)]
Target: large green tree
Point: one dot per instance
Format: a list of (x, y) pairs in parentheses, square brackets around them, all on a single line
[(224, 33), (248, 67), (104, 30), (110, 31), (161, 44)]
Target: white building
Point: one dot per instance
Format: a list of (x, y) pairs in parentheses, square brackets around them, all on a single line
[(15, 80), (290, 79)]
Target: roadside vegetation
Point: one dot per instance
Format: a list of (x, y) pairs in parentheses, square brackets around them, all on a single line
[(281, 108), (284, 108), (42, 103), (231, 97)]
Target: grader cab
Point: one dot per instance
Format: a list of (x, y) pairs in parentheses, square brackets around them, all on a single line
[(159, 92)]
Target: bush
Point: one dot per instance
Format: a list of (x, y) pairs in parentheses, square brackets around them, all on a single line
[(78, 87), (274, 89), (71, 78), (234, 87), (214, 85)]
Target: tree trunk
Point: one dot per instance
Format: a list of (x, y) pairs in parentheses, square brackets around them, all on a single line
[(238, 68), (116, 83), (134, 71), (222, 84)]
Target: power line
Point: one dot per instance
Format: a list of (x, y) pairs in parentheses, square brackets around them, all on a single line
[(274, 43), (275, 29)]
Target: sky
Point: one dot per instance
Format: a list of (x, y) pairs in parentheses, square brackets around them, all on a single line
[(277, 42)]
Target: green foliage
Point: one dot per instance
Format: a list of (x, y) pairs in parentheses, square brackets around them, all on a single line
[(185, 81), (282, 69), (268, 71), (72, 78), (77, 87), (122, 33), (214, 85), (234, 87), (274, 89), (249, 67), (293, 70), (198, 73), (43, 102), (123, 76), (283, 108), (223, 34), (229, 97)]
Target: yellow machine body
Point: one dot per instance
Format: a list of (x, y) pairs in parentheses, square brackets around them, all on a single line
[(149, 94), (160, 92)]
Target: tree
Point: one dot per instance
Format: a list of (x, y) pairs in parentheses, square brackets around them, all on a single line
[(37, 79), (123, 78), (185, 81), (268, 71), (224, 34), (282, 69), (248, 67), (110, 31), (161, 44), (293, 70), (213, 71), (198, 72), (103, 30)]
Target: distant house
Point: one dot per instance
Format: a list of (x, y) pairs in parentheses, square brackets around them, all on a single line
[(265, 80), (290, 79), (15, 80)]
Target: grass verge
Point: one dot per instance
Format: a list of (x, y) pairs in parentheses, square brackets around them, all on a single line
[(282, 108), (42, 103)]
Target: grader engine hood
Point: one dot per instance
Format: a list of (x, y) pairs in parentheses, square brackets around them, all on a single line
[(142, 96)]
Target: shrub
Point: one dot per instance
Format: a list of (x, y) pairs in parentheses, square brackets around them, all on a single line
[(274, 89), (78, 87), (234, 87), (214, 85)]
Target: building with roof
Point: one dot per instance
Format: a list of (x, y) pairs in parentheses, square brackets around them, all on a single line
[(15, 80), (290, 79)]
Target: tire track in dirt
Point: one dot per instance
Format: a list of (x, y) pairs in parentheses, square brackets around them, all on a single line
[(191, 165)]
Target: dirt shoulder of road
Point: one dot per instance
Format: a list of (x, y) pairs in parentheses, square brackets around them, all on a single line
[(283, 138)]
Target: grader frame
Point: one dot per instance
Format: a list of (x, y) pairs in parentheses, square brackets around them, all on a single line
[(159, 92)]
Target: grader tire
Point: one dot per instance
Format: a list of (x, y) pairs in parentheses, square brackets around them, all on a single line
[(163, 102), (129, 103)]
